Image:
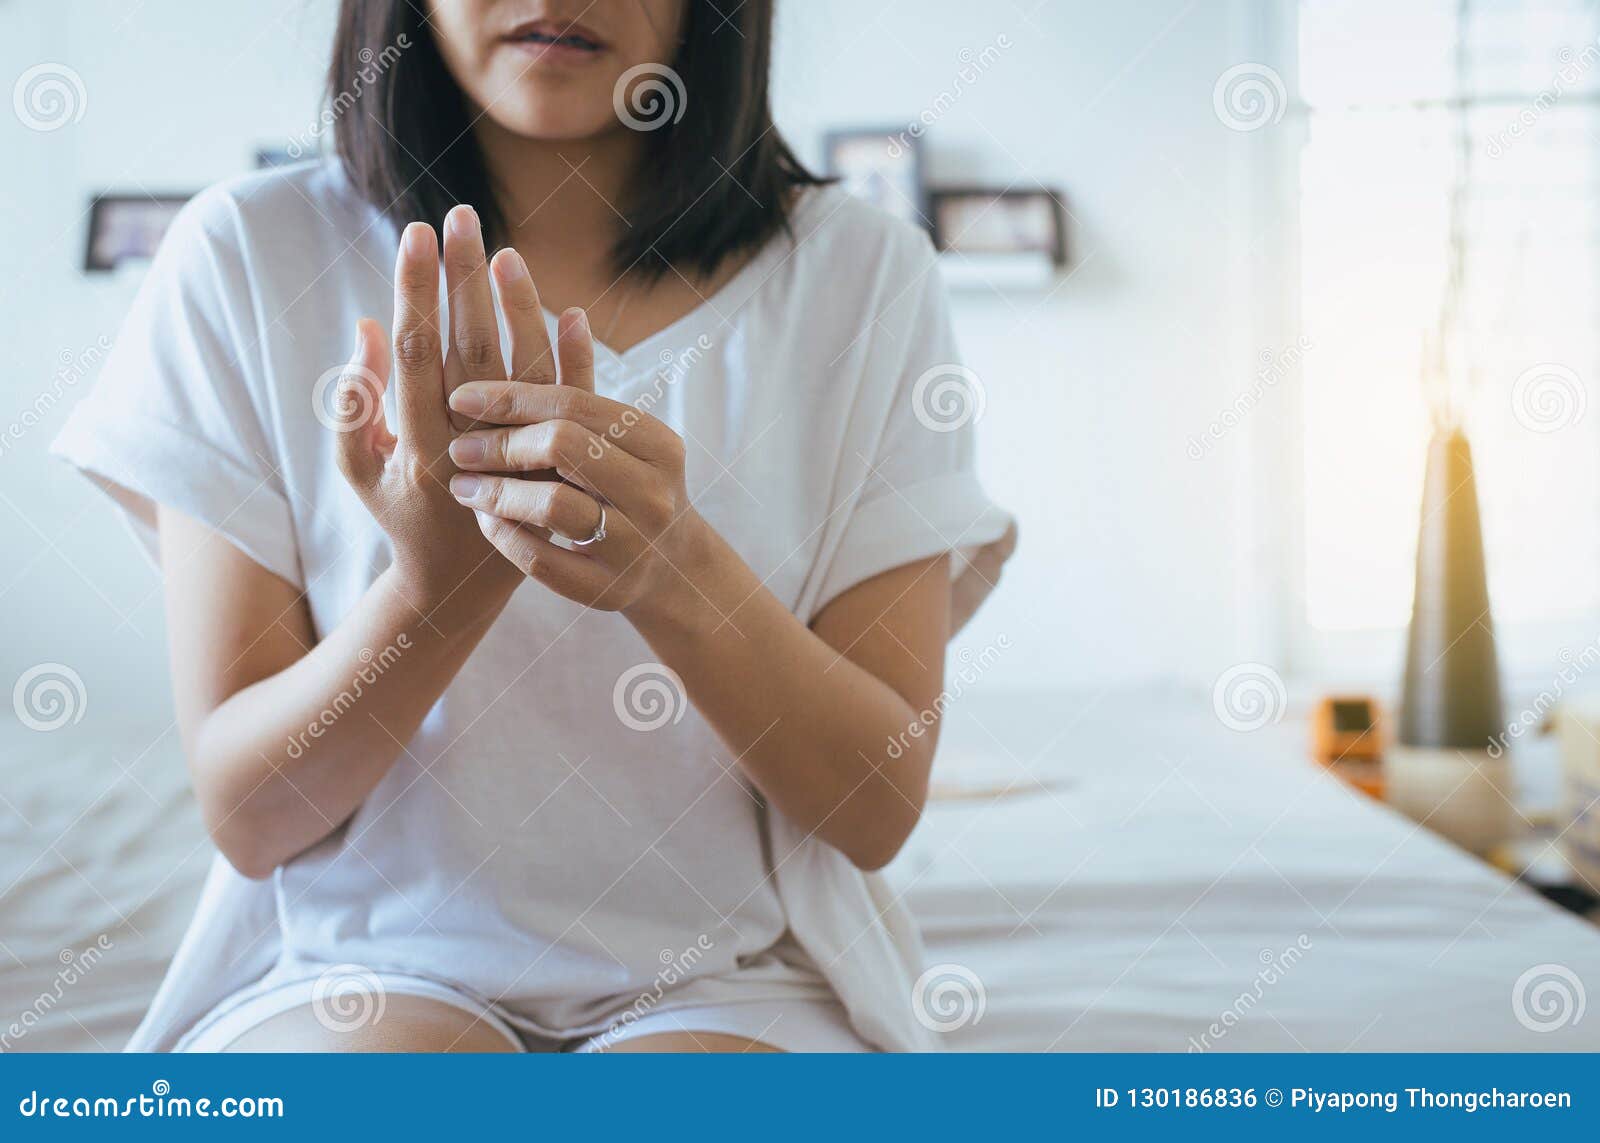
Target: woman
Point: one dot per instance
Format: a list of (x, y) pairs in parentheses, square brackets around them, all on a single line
[(538, 678)]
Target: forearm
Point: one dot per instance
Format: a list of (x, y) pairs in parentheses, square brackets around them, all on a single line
[(281, 763), (811, 728)]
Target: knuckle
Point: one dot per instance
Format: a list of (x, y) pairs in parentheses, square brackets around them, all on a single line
[(524, 556), (502, 533), (657, 508), (673, 451), (541, 369), (479, 349), (501, 449), (524, 450), (503, 536), (567, 402), (498, 497), (524, 301), (501, 402), (569, 439), (417, 349)]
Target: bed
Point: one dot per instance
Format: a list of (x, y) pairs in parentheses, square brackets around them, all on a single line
[(1148, 880)]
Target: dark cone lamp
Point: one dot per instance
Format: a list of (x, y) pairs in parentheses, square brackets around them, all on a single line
[(1448, 763)]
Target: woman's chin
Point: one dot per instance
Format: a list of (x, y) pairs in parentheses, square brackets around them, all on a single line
[(553, 121)]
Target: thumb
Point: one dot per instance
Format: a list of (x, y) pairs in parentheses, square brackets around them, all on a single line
[(575, 350), (363, 435)]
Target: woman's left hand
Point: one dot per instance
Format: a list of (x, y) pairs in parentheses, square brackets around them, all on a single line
[(612, 463)]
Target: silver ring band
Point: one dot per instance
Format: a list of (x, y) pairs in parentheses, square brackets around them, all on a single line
[(599, 532)]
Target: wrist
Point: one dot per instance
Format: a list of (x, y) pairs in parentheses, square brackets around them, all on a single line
[(448, 604), (685, 596)]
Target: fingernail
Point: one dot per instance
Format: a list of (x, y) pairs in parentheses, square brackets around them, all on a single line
[(580, 318), (464, 487), (468, 450), (512, 267), (467, 401), (463, 221), (416, 240)]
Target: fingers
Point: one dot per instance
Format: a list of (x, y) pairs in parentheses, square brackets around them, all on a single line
[(569, 574), (532, 359), (574, 452), (550, 504), (474, 330), (364, 439), (511, 403), (417, 342), (575, 348)]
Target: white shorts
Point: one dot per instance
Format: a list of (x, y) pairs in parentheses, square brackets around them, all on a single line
[(812, 1025)]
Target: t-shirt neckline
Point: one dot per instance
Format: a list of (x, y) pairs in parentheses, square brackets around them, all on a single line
[(721, 305)]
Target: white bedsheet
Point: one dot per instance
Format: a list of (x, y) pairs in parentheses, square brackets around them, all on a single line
[(1156, 867), (1122, 898)]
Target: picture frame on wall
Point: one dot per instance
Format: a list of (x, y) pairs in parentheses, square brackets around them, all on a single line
[(882, 165), (269, 157), (127, 228), (984, 222)]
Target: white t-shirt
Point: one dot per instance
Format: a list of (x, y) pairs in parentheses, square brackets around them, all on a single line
[(564, 826)]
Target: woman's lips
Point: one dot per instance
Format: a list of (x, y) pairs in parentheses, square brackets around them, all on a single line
[(554, 42)]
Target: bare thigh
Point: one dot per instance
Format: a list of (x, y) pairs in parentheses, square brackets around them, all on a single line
[(691, 1042), (406, 1024)]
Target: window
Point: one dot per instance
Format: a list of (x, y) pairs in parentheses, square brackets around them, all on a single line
[(1385, 99)]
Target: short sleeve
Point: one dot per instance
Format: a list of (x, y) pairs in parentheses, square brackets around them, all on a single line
[(914, 492), (177, 415)]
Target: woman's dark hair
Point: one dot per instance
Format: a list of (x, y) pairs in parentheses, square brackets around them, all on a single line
[(713, 182)]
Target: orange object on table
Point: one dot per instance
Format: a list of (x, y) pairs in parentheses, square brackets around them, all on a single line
[(1347, 738)]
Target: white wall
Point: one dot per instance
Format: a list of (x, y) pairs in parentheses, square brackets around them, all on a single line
[(1129, 570), (1136, 564), (178, 94)]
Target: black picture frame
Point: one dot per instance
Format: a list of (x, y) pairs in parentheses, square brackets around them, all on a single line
[(947, 236), (142, 220), (269, 157), (843, 151)]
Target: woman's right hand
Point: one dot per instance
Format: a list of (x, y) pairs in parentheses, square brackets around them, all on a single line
[(440, 554)]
